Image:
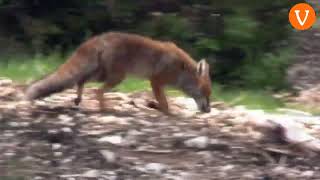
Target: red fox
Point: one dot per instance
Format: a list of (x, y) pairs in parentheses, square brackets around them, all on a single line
[(109, 57)]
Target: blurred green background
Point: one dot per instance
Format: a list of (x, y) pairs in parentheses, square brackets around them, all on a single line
[(248, 43)]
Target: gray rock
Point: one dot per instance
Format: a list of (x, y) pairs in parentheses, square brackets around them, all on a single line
[(66, 130), (93, 173), (57, 154), (200, 142), (113, 120), (38, 178), (109, 156), (55, 146), (65, 118), (116, 140), (307, 174), (156, 168)]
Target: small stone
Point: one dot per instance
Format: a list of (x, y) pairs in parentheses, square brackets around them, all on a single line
[(28, 158), (80, 115), (227, 167), (8, 134), (109, 156), (117, 140), (52, 131), (184, 175), (133, 132), (179, 134), (91, 173), (126, 106), (56, 146), (113, 119), (107, 119), (45, 162), (66, 130), (156, 168), (279, 170), (144, 122), (39, 103), (14, 124), (65, 118), (25, 124), (189, 103), (67, 160), (307, 174), (249, 175), (57, 154), (38, 178), (9, 154), (200, 142)]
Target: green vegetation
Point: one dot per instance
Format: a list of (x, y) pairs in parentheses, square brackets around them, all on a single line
[(26, 69), (269, 72), (245, 41), (251, 98)]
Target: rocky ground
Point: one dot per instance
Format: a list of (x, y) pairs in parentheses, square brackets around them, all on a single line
[(303, 75), (53, 139), (309, 98)]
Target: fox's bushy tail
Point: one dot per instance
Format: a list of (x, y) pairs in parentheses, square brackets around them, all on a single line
[(78, 68)]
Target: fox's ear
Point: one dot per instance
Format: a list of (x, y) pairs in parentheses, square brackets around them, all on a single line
[(202, 68)]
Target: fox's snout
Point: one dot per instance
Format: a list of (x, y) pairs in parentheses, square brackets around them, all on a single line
[(205, 109), (203, 104)]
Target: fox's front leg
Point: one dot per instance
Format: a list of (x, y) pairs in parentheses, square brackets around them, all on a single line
[(79, 94), (158, 91)]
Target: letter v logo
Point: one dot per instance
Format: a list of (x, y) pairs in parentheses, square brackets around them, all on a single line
[(305, 17), (302, 16)]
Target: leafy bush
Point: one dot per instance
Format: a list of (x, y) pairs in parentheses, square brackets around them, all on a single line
[(269, 71)]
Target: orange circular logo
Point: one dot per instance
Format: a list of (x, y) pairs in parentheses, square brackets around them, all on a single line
[(302, 16)]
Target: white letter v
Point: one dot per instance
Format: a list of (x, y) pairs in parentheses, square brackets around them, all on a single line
[(305, 17)]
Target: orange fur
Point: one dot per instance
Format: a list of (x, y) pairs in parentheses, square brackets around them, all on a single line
[(110, 57)]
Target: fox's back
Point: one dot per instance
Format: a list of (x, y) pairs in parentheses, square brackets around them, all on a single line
[(140, 55)]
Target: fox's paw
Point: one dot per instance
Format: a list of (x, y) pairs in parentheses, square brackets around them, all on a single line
[(77, 101), (153, 105)]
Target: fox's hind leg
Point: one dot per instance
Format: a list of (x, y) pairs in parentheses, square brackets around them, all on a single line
[(111, 82), (99, 95), (78, 99)]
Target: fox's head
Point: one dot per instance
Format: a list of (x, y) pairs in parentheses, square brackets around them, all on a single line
[(197, 84)]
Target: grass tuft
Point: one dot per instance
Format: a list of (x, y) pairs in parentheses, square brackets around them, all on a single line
[(27, 69)]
